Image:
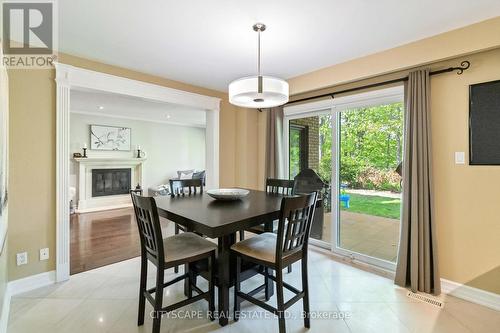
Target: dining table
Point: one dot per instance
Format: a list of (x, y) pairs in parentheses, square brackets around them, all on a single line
[(221, 220)]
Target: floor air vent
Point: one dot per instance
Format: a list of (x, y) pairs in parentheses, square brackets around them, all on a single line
[(426, 299)]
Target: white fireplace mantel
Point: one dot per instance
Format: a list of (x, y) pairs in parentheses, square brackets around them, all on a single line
[(87, 203), (112, 160)]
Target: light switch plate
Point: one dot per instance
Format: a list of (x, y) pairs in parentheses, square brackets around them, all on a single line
[(22, 258), (459, 157), (44, 254)]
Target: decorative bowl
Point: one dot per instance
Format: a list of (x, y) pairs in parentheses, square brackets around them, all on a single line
[(228, 193)]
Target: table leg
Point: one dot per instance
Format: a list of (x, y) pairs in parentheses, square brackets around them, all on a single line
[(268, 227), (187, 287), (224, 276)]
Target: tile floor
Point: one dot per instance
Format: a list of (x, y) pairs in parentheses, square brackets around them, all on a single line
[(105, 300)]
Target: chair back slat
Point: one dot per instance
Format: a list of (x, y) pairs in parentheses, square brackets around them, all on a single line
[(280, 186), (295, 221), (179, 187), (148, 222)]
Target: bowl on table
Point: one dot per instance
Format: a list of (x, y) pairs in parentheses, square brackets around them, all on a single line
[(228, 194)]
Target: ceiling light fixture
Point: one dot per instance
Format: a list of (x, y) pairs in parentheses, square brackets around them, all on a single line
[(101, 107), (258, 91)]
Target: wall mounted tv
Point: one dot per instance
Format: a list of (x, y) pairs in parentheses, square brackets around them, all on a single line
[(484, 123)]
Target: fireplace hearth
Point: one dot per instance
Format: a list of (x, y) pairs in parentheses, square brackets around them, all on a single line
[(107, 182)]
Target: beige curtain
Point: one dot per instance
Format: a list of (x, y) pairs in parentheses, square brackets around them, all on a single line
[(275, 155), (417, 265)]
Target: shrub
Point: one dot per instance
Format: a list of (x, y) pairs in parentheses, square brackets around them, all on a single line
[(350, 170), (377, 179)]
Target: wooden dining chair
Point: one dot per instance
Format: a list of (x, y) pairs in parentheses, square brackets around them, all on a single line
[(165, 253), (275, 186), (182, 187), (276, 251)]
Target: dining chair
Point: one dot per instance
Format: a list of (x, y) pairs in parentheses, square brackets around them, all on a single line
[(181, 187), (275, 186), (276, 251), (165, 253)]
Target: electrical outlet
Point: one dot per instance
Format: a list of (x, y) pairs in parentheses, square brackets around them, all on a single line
[(44, 254), (22, 258)]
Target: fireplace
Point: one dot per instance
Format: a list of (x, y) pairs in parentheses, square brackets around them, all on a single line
[(110, 181)]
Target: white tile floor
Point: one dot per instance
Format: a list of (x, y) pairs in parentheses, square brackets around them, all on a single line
[(105, 300)]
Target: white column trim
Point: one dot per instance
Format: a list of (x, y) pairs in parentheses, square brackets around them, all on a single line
[(76, 77), (62, 180), (70, 77), (212, 149)]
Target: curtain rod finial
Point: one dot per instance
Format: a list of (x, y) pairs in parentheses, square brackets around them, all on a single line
[(463, 66)]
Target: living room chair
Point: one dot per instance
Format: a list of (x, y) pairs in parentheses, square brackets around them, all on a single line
[(181, 187), (165, 253), (276, 251)]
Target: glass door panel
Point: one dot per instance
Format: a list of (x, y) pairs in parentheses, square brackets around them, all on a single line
[(310, 146), (370, 150)]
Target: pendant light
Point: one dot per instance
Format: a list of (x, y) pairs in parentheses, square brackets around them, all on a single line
[(258, 91)]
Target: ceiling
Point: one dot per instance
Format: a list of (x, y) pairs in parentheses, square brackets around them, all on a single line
[(210, 43), (121, 106)]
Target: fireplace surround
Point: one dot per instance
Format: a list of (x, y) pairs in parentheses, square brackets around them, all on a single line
[(104, 182)]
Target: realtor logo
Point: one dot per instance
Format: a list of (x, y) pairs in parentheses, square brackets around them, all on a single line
[(28, 32)]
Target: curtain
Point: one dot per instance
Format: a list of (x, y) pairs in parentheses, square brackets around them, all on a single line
[(275, 155), (417, 265)]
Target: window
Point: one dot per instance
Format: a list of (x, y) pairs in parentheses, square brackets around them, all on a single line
[(299, 143)]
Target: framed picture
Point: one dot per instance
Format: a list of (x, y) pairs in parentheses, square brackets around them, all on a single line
[(484, 123), (110, 138)]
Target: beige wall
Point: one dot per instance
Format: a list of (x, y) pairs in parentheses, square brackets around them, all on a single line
[(33, 149), (466, 197), (32, 170), (480, 36)]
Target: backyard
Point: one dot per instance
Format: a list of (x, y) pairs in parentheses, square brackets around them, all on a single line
[(375, 205)]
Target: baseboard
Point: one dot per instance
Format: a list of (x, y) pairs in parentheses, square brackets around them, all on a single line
[(23, 285), (20, 286), (471, 294), (4, 316)]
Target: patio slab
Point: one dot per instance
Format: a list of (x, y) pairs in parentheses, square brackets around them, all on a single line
[(367, 234)]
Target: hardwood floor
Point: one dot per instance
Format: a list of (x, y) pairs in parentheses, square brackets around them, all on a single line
[(103, 238)]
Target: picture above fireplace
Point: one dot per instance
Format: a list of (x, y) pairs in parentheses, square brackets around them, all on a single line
[(110, 182), (109, 138)]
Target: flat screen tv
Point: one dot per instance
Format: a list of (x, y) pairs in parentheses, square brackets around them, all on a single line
[(484, 123)]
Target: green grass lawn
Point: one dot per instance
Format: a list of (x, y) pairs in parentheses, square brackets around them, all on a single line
[(374, 205)]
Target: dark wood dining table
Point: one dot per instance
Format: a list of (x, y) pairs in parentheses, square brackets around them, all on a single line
[(202, 214)]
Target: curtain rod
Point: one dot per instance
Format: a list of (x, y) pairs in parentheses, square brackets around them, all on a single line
[(464, 65)]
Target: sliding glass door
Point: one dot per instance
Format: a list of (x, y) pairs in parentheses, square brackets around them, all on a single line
[(356, 148), (370, 150)]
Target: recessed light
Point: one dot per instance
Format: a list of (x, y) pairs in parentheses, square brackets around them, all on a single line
[(168, 116), (101, 107)]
